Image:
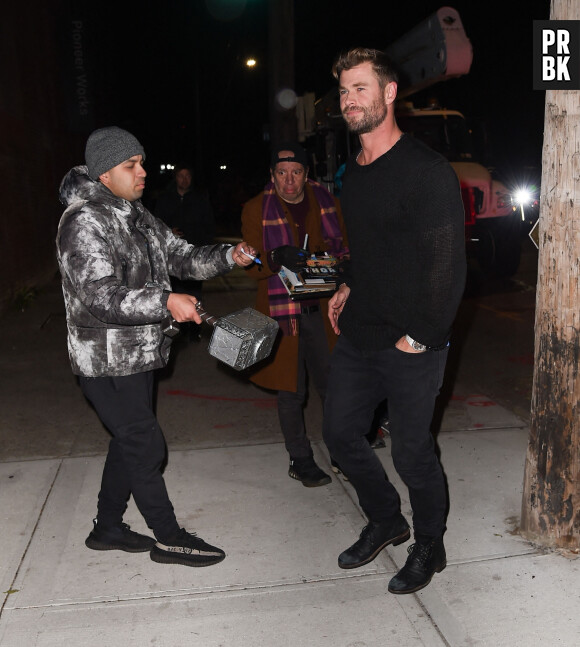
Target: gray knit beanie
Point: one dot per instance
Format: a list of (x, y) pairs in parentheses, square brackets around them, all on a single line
[(107, 147)]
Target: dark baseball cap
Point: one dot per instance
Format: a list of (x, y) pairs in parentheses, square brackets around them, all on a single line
[(299, 154)]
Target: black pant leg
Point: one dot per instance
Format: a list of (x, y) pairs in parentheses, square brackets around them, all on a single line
[(291, 412), (353, 393), (314, 358), (115, 488), (413, 382)]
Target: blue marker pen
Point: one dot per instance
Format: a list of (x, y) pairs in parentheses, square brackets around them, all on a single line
[(256, 260)]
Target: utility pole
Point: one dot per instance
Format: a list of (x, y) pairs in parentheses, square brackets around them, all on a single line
[(551, 497), (282, 104)]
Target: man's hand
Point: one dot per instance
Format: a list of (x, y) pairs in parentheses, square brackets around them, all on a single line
[(182, 307), (336, 304), (243, 254)]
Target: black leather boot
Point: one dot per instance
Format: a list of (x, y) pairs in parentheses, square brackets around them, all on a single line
[(426, 557), (373, 538)]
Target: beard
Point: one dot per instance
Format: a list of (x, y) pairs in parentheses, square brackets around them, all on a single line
[(372, 117)]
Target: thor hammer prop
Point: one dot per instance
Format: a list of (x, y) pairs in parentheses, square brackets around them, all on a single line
[(239, 339)]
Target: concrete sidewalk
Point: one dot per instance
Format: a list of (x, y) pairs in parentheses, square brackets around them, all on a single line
[(227, 476)]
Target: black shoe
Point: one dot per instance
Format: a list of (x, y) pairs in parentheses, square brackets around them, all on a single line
[(373, 538), (337, 469), (308, 472), (118, 538), (426, 557), (187, 549)]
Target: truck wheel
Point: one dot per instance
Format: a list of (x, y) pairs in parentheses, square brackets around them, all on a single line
[(499, 245)]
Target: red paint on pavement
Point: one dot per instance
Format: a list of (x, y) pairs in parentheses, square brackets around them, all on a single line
[(481, 403), (261, 403), (474, 400)]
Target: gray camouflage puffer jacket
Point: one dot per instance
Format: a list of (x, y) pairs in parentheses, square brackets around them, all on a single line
[(115, 259)]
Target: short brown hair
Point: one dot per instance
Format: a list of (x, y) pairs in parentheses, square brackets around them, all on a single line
[(382, 65)]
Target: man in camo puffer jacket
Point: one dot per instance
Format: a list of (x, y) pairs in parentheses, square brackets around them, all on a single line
[(115, 260)]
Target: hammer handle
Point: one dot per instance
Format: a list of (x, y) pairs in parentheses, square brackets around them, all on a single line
[(210, 319)]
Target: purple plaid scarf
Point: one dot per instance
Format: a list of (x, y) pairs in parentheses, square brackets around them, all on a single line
[(277, 232)]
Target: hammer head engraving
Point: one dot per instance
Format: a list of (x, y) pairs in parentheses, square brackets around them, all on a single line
[(242, 338)]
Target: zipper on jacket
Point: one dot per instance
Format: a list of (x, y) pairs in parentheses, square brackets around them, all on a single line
[(148, 246), (124, 278), (150, 259)]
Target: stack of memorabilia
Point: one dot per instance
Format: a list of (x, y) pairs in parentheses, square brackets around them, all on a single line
[(317, 279)]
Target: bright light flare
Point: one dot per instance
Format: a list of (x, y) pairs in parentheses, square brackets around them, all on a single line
[(251, 62), (523, 196)]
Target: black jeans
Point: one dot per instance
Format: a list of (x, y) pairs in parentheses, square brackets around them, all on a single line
[(357, 383), (314, 357), (136, 452)]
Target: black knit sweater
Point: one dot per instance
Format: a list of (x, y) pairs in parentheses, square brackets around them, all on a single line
[(405, 223)]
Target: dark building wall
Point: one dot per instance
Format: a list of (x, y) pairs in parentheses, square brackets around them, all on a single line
[(36, 144)]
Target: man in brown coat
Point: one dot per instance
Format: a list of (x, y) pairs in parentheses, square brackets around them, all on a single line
[(276, 222)]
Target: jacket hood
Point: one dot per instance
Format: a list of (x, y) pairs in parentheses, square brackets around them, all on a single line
[(77, 186)]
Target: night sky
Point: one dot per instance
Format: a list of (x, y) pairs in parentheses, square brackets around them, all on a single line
[(156, 63)]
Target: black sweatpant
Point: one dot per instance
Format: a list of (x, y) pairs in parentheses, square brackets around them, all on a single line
[(136, 452)]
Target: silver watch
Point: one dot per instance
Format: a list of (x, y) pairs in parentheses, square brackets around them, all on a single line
[(415, 345)]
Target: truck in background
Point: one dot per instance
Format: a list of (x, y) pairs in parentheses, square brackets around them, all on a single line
[(436, 50)]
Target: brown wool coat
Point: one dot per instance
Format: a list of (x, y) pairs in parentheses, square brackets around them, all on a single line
[(280, 371)]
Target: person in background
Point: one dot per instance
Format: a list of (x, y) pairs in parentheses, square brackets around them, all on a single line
[(276, 222), (188, 213), (405, 222), (115, 260)]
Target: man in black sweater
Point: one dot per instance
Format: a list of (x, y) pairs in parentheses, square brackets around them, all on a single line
[(405, 222)]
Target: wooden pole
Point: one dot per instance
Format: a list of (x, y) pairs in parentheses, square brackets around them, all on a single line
[(551, 497)]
